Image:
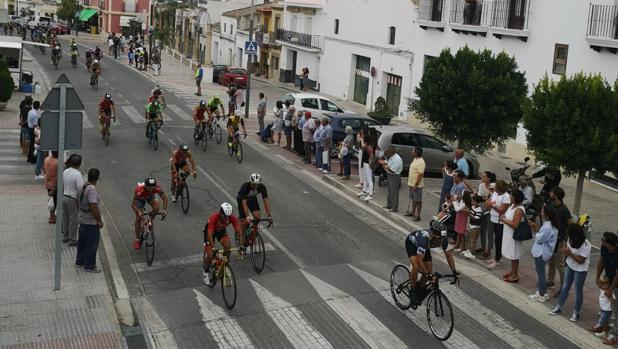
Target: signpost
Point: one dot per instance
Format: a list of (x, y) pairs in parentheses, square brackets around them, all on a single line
[(61, 129), (251, 50)]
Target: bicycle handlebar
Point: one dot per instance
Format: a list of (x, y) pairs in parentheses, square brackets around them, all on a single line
[(257, 221), (454, 276)]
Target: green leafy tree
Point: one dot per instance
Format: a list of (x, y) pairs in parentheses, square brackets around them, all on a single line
[(67, 9), (6, 82), (573, 124), (473, 98)]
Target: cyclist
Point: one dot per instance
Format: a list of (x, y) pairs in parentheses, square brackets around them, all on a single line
[(216, 228), (232, 126), (74, 52), (153, 114), (157, 94), (106, 107), (199, 117), (96, 69), (89, 58), (98, 53), (56, 52), (418, 247), (145, 193), (178, 162), (213, 107), (247, 200)]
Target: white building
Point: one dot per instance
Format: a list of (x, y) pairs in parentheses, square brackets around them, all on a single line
[(553, 37)]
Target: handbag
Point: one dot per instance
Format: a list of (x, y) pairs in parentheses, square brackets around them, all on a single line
[(50, 204), (523, 231), (325, 157)]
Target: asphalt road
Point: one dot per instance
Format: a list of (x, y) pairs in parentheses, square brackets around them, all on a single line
[(328, 261)]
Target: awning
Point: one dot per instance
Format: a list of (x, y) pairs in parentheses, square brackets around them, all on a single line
[(124, 20), (85, 14)]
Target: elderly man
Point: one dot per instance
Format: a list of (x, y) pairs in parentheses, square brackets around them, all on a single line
[(73, 182), (525, 188), (308, 129), (393, 167), (326, 142), (462, 163), (90, 224), (416, 184)]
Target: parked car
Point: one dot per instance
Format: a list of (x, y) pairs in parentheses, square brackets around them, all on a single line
[(236, 76), (316, 104), (59, 28), (216, 69), (339, 121), (435, 152)]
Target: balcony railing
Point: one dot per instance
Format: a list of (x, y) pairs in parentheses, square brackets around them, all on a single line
[(298, 39), (470, 12), (510, 14), (431, 10), (603, 22)]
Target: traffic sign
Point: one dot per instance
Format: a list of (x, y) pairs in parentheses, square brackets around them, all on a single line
[(49, 130), (52, 101), (251, 47)]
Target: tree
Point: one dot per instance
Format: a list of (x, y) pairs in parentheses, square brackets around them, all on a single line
[(573, 124), (67, 9), (6, 82), (473, 98)]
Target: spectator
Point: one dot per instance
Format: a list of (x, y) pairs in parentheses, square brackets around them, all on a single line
[(360, 144), (316, 141), (199, 74), (416, 183), (110, 44), (605, 303), (474, 226), (261, 112), (304, 76), (367, 174), (146, 60), (51, 180), (33, 120), (278, 125), (346, 153), (608, 265), (73, 182), (90, 223), (24, 109), (461, 204), (39, 155), (297, 124), (577, 252), (511, 248), (542, 249), (462, 163), (564, 219), (487, 237), (287, 125), (116, 46), (459, 186), (131, 53), (393, 167), (525, 188), (308, 130), (447, 182), (326, 142), (551, 178), (499, 203)]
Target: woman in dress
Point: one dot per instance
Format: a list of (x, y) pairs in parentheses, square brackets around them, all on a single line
[(511, 248), (278, 123)]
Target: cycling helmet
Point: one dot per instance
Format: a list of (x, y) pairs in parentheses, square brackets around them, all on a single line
[(255, 178), (157, 88), (238, 113), (215, 97), (202, 103), (226, 209), (96, 61), (108, 95), (98, 48), (183, 147), (150, 182), (437, 227)]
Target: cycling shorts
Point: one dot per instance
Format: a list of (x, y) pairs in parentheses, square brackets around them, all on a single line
[(153, 116), (411, 249), (107, 112), (213, 109), (180, 165), (252, 203), (141, 203), (219, 235)]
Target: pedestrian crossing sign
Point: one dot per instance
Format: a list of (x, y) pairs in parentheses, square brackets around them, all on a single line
[(251, 47)]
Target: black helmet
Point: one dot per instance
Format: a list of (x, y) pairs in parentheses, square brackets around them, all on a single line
[(150, 182), (437, 227), (108, 95), (202, 103), (183, 147)]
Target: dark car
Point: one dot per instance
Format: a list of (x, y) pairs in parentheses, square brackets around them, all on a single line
[(237, 76), (338, 121), (216, 69)]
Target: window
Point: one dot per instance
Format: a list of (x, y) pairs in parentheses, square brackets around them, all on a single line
[(231, 29), (427, 60), (560, 59), (310, 103), (354, 123), (289, 98), (407, 139), (336, 26), (224, 27), (430, 142), (330, 106), (391, 35)]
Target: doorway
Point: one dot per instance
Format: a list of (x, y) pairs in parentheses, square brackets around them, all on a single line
[(393, 93), (361, 79)]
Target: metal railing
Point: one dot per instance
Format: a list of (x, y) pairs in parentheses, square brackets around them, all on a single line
[(470, 12), (431, 10), (510, 14), (603, 21), (298, 39)]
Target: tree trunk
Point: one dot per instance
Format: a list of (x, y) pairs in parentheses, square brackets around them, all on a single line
[(579, 191)]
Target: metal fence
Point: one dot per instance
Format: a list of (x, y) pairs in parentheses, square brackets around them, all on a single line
[(299, 39), (470, 12), (510, 14), (431, 10), (602, 21)]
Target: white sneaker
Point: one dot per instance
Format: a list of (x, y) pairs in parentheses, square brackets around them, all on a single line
[(469, 255), (537, 297), (206, 278), (39, 177), (359, 185), (574, 317), (362, 193), (368, 198), (173, 198), (458, 250)]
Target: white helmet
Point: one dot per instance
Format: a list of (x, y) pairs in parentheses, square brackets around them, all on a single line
[(238, 113), (226, 209), (255, 178), (96, 61)]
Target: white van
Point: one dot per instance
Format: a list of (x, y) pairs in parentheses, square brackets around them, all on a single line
[(40, 20)]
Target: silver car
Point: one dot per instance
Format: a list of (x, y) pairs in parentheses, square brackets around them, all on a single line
[(435, 152)]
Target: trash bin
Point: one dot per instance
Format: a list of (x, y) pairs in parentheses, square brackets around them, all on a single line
[(93, 30)]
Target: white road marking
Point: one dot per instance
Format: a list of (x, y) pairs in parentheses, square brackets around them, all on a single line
[(86, 121), (161, 335), (366, 326), (225, 330), (171, 142), (290, 320), (133, 114), (280, 157), (457, 339), (176, 109)]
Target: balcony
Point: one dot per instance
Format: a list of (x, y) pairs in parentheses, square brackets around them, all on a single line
[(301, 40), (430, 14), (602, 31), (510, 18), (470, 16)]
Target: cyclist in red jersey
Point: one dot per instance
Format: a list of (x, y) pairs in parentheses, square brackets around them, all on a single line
[(157, 94), (180, 161), (216, 228), (106, 107), (146, 193), (199, 116)]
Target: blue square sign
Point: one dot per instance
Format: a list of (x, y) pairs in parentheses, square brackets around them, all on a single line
[(251, 47)]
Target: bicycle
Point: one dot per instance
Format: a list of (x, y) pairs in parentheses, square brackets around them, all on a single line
[(74, 61), (55, 59), (234, 149), (182, 191), (201, 136), (152, 133), (146, 234), (221, 270), (94, 81), (255, 242), (214, 130), (439, 310), (105, 130)]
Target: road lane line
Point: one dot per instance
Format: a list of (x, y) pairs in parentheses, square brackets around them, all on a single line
[(224, 330), (365, 324), (133, 114), (457, 340), (290, 320), (86, 121), (157, 329), (171, 142), (176, 109)]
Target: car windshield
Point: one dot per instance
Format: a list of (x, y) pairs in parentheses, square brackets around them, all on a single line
[(354, 123), (238, 71), (430, 142), (289, 98)]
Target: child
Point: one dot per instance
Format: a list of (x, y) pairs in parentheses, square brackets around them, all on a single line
[(602, 326), (462, 205), (476, 216)]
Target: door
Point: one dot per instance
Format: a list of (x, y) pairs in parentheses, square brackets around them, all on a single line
[(436, 10), (239, 57), (434, 153), (517, 14), (294, 61), (215, 52), (361, 79), (393, 93), (230, 58)]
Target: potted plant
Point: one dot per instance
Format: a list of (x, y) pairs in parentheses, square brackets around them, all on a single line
[(380, 112), (6, 84)]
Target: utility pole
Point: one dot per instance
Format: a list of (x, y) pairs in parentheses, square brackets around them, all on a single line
[(249, 61)]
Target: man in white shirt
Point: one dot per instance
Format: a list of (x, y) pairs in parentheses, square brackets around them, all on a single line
[(393, 167), (73, 183), (308, 129)]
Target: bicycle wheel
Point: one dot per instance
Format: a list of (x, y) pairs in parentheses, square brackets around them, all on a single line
[(239, 152), (184, 198), (197, 137), (440, 315), (155, 138), (400, 286), (106, 136), (149, 244), (258, 253), (204, 140), (230, 149), (218, 134), (228, 287)]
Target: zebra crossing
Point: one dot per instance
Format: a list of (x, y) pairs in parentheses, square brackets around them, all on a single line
[(13, 165), (130, 115)]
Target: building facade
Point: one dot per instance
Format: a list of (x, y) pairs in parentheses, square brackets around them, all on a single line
[(116, 16)]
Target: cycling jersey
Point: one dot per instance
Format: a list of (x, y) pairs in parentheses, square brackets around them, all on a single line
[(234, 121), (199, 113), (180, 159), (214, 104), (95, 66), (247, 193), (153, 110), (142, 194), (218, 222), (106, 105), (419, 242)]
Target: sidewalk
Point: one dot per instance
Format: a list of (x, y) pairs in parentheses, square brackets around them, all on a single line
[(79, 315)]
